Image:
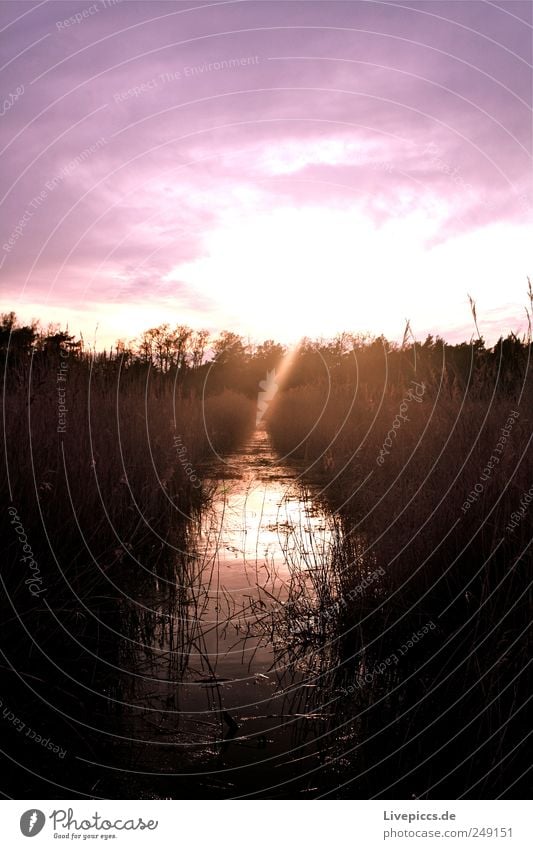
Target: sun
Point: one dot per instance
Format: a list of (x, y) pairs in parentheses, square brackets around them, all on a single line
[(303, 271)]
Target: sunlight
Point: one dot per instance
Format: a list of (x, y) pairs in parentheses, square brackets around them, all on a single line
[(298, 269), (315, 272), (274, 381)]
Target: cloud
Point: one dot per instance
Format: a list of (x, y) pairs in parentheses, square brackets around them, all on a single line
[(197, 119)]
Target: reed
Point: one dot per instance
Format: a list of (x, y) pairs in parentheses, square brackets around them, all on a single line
[(443, 518)]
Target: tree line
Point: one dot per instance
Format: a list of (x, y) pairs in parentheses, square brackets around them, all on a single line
[(198, 360)]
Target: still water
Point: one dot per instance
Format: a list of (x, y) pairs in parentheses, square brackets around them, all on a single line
[(225, 689)]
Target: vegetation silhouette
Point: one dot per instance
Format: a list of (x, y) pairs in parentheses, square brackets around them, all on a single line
[(422, 488)]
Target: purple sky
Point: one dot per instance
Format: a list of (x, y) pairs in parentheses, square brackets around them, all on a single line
[(275, 168)]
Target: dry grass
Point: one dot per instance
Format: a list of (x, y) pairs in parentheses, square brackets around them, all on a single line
[(411, 503), (462, 568), (112, 483)]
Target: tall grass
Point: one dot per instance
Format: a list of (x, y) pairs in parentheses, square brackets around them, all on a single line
[(437, 521), (107, 477), (97, 498), (414, 498)]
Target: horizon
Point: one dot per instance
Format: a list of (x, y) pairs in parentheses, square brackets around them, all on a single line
[(251, 166), (404, 341)]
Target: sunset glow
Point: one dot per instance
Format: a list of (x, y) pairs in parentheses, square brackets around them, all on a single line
[(274, 170)]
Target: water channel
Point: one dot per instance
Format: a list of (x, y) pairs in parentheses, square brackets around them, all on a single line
[(225, 689)]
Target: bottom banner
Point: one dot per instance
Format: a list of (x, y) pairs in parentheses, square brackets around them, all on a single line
[(236, 824)]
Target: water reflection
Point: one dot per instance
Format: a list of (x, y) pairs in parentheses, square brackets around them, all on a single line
[(231, 685)]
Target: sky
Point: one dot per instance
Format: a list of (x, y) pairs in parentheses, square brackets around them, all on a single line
[(278, 169)]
